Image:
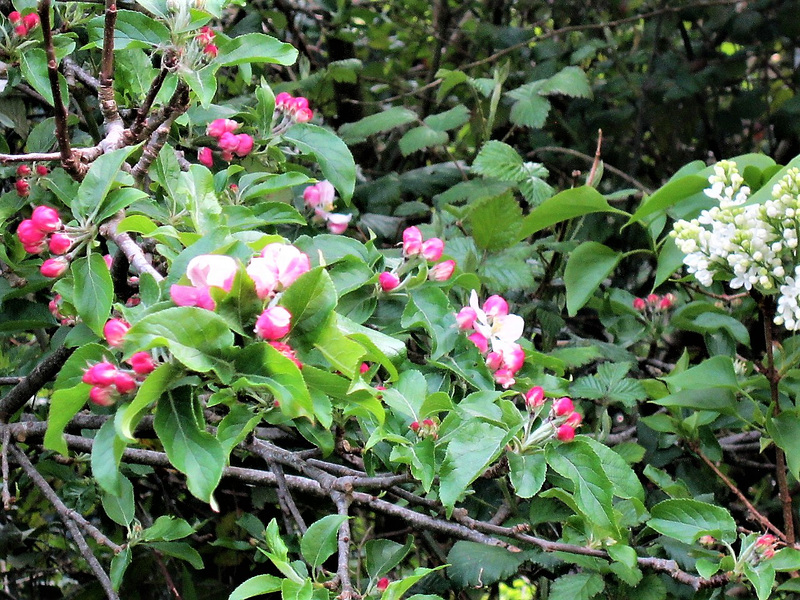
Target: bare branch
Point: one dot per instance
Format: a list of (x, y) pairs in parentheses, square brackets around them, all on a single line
[(36, 379), (130, 248), (342, 502)]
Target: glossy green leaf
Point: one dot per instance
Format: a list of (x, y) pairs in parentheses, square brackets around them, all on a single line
[(319, 542), (333, 156), (311, 300), (93, 291), (255, 48), (203, 83), (128, 415), (784, 429), (120, 508), (256, 586), (587, 267), (475, 565), (385, 555), (429, 308), (95, 186), (449, 119), (669, 195), (397, 116), (180, 550), (167, 529), (526, 473), (420, 138), (119, 564), (132, 29), (565, 205), (64, 405), (687, 520), (577, 586), (106, 454)]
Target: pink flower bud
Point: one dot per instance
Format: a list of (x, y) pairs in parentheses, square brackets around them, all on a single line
[(495, 306), (102, 396), (108, 260), (54, 267), (29, 234), (212, 270), (286, 261), (414, 426), (205, 36), (320, 195), (23, 171), (707, 540), (480, 341), (565, 433), (204, 157), (102, 373), (504, 377), (22, 186), (46, 219), (303, 115), (428, 423), (124, 383), (412, 241), (432, 249), (363, 368), (114, 331), (382, 584), (187, 295), (765, 540), (574, 420), (142, 363), (298, 103), (59, 243), (228, 141), (41, 170), (652, 299), (282, 100), (667, 301), (218, 127), (337, 222), (534, 397), (245, 144), (466, 318), (31, 21), (494, 360), (442, 271), (274, 323), (639, 304), (388, 281), (563, 406), (20, 30), (34, 248), (513, 357), (211, 51), (14, 17), (288, 352)]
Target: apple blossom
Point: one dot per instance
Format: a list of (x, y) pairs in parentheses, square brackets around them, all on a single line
[(412, 241), (432, 249), (495, 306), (21, 30), (274, 323), (31, 20), (320, 195), (337, 222), (15, 17), (205, 36), (124, 383), (480, 341), (102, 373), (46, 219), (101, 395), (204, 157), (54, 267), (35, 248), (114, 331), (574, 420), (212, 270), (23, 171), (59, 243), (388, 281), (466, 318), (244, 143), (382, 584), (23, 187), (142, 363), (504, 377), (303, 115), (282, 99), (565, 433), (29, 234), (639, 304), (534, 397), (187, 295), (442, 271), (41, 170), (285, 261), (563, 406), (218, 127)]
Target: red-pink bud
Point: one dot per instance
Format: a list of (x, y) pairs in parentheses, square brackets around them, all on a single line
[(765, 540), (46, 219), (383, 583), (204, 157), (101, 395), (639, 304), (211, 50), (274, 323), (228, 141), (428, 423), (41, 170), (102, 373), (442, 271), (14, 17), (54, 267), (363, 368), (282, 99), (31, 20), (495, 306), (142, 363), (388, 281), (23, 171), (303, 115), (114, 331), (298, 103), (288, 352), (245, 144), (565, 433), (59, 243), (432, 249), (205, 36), (574, 420), (29, 234), (504, 377), (23, 187), (20, 30), (563, 406), (34, 248), (217, 127), (108, 260), (652, 299), (414, 426), (534, 397), (666, 302), (480, 341), (412, 241), (124, 383), (466, 318), (494, 360)]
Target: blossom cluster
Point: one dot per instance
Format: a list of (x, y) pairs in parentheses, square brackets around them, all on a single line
[(416, 250), (205, 39), (654, 303), (495, 333), (319, 198), (295, 109), (23, 25), (230, 143), (751, 245), (22, 184), (44, 230)]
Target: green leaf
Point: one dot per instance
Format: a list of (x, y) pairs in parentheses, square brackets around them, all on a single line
[(527, 473), (256, 586), (180, 550), (568, 204), (255, 48), (396, 589), (119, 564), (476, 565), (319, 542), (167, 528), (311, 300), (762, 577), (93, 291), (592, 490), (193, 451), (670, 259), (106, 453), (385, 555), (64, 404), (579, 586), (717, 371), (623, 479), (495, 222), (95, 186), (332, 154), (530, 109), (120, 508), (203, 83), (687, 520), (500, 161), (196, 337), (569, 81), (420, 138), (784, 429), (397, 116), (786, 559), (129, 415), (475, 446), (132, 29), (450, 119), (236, 426), (611, 384), (117, 200), (587, 267), (430, 308), (668, 195), (33, 64), (292, 590)]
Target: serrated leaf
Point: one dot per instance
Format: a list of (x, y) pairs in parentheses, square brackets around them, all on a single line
[(495, 222), (167, 528), (95, 186), (255, 48), (420, 138), (529, 110), (132, 29), (569, 81), (450, 119), (686, 520), (385, 555), (119, 564), (397, 116), (527, 473), (120, 508), (610, 383), (319, 542), (475, 565), (579, 586), (106, 453), (784, 429)]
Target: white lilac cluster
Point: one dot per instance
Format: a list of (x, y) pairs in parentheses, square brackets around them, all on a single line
[(751, 245)]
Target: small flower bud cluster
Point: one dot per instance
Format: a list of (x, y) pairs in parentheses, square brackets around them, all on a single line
[(109, 382), (654, 303), (296, 109), (22, 185), (560, 423), (563, 411), (56, 305), (45, 231), (428, 428), (749, 245), (230, 143), (23, 25), (417, 251), (319, 198), (495, 333), (205, 39), (288, 352), (765, 546)]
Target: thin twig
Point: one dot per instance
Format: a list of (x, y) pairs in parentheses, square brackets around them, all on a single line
[(286, 501), (7, 499), (33, 382), (144, 109), (342, 502), (130, 248)]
